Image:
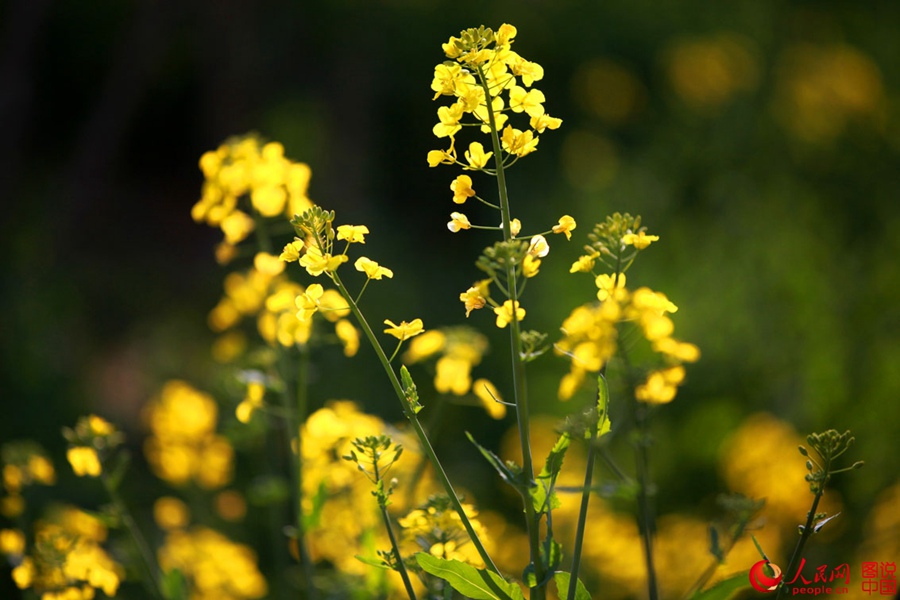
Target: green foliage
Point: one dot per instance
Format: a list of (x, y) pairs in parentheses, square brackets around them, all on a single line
[(478, 584), (563, 581), (725, 589)]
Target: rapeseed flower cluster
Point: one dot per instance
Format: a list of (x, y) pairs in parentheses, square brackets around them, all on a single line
[(90, 441), (24, 463), (68, 561), (457, 350), (216, 567), (436, 528), (246, 166), (183, 446), (591, 335)]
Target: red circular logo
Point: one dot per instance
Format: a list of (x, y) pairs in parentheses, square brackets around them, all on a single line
[(761, 581)]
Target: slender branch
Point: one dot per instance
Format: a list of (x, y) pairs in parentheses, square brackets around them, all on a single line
[(520, 395), (404, 575), (151, 579), (582, 516), (804, 535), (414, 421)]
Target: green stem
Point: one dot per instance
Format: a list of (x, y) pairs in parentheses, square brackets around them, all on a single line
[(151, 578), (645, 513), (582, 516), (804, 535), (520, 396), (404, 575), (414, 421)]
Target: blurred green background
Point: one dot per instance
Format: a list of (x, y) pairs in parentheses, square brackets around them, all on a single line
[(759, 139)]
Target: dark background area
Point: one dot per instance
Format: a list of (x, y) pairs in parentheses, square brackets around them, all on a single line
[(759, 139)]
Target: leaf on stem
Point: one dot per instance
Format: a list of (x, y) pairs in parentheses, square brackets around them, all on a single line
[(562, 580), (507, 474), (478, 584), (543, 496), (409, 390), (725, 589)]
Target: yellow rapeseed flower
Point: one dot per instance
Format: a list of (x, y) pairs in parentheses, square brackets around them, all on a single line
[(308, 301), (171, 513), (354, 234), (476, 156), (404, 330), (316, 263), (639, 240), (372, 269), (348, 335), (505, 313), (458, 221), (462, 189), (490, 398), (538, 248), (566, 225), (84, 461)]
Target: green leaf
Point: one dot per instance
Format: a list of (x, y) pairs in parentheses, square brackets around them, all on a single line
[(311, 519), (372, 562), (726, 588), (562, 586), (174, 585), (505, 472), (542, 495), (478, 584), (603, 423)]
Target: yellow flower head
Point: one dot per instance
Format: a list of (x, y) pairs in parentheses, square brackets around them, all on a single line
[(440, 157), (458, 221), (543, 122), (404, 330), (515, 226), (291, 252), (505, 313), (317, 263), (566, 225), (490, 398), (84, 461), (639, 240), (268, 264), (518, 142), (462, 189), (348, 335), (609, 286), (474, 298), (530, 266), (354, 234), (308, 301), (372, 269), (476, 156), (539, 247), (585, 263), (429, 343)]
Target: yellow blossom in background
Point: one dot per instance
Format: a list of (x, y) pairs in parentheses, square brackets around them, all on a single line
[(462, 189), (372, 269), (458, 221), (404, 330), (424, 346), (453, 375), (292, 251), (660, 386), (171, 513), (84, 461), (707, 72), (183, 445), (268, 264), (215, 566), (256, 391), (230, 505), (490, 398), (585, 263), (237, 226), (348, 335), (12, 542), (505, 313), (68, 560), (332, 305), (354, 234)]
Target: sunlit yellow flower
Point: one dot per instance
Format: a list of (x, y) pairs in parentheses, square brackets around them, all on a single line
[(354, 234), (476, 156), (530, 266), (404, 330), (544, 121), (566, 225), (462, 189), (609, 285), (538, 247), (458, 221), (308, 301), (291, 252), (237, 226), (639, 240), (449, 117), (490, 398), (585, 263), (12, 542), (317, 263), (372, 269), (527, 70), (253, 400), (474, 298), (505, 313), (681, 351), (439, 157), (660, 386), (518, 142), (530, 102), (482, 114), (84, 461), (348, 335), (332, 306), (515, 226), (269, 264)]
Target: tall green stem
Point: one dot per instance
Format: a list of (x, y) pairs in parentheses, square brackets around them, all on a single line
[(645, 512), (582, 515), (151, 579), (404, 575), (414, 421), (804, 535), (520, 395)]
